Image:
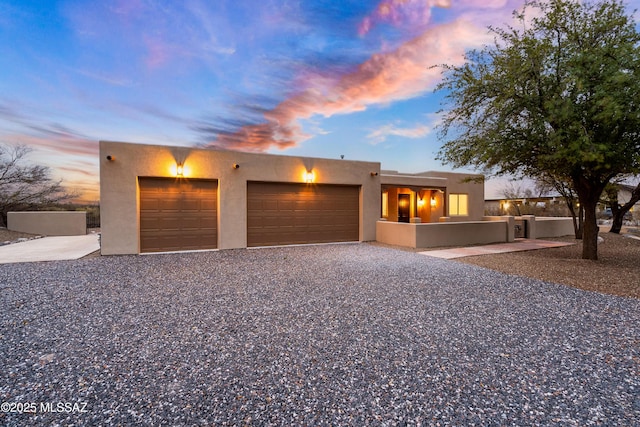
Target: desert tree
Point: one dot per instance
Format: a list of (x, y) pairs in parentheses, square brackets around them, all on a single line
[(25, 186), (557, 93), (564, 188), (618, 209)]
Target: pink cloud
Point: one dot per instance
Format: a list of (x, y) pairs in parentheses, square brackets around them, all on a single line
[(411, 13), (61, 145), (158, 52), (400, 74)]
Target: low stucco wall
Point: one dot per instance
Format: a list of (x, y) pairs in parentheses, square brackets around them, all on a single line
[(443, 234), (396, 233), (553, 227), (48, 223)]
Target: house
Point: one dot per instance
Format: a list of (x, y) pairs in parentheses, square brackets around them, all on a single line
[(158, 198), (431, 197)]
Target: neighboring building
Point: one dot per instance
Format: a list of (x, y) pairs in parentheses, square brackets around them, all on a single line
[(555, 205), (540, 206), (159, 198)]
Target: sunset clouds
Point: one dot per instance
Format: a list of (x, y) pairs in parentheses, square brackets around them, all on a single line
[(385, 77), (412, 14), (310, 78)]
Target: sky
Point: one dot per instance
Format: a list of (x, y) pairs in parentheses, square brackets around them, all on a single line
[(316, 78)]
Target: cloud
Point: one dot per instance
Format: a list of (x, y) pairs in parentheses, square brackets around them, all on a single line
[(380, 135), (62, 146), (156, 34), (104, 78), (403, 73), (413, 14), (55, 138)]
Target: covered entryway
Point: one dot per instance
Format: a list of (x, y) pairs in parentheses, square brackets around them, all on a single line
[(177, 214), (287, 213)]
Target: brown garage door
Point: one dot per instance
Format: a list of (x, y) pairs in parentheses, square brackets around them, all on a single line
[(177, 214), (285, 214)]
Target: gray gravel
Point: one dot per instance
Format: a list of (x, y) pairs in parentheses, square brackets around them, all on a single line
[(321, 335)]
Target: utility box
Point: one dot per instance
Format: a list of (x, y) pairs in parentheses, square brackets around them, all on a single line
[(520, 229)]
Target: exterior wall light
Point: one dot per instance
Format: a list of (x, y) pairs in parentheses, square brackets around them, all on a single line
[(433, 202), (236, 166), (179, 170), (309, 177), (374, 173), (111, 158), (420, 202)]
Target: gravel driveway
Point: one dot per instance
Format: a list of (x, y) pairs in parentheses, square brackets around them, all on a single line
[(349, 334)]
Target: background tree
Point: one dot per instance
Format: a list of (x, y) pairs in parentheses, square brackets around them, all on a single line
[(618, 211), (565, 189), (559, 96), (25, 186), (513, 192)]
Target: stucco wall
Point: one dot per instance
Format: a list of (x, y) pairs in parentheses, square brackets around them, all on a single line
[(396, 233), (48, 223), (553, 227), (119, 186), (442, 234)]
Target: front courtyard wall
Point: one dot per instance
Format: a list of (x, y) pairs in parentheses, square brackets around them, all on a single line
[(119, 193), (442, 234), (553, 227)]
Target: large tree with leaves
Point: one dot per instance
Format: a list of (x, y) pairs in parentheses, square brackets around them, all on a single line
[(25, 186), (557, 94)]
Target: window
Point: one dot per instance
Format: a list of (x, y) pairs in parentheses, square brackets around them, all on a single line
[(385, 204), (458, 204)]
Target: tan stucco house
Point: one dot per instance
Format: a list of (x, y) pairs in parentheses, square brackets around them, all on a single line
[(158, 198)]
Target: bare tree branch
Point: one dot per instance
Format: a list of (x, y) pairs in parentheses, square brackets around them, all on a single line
[(25, 186)]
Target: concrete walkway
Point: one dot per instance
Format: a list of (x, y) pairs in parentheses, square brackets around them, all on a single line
[(54, 248), (498, 248)]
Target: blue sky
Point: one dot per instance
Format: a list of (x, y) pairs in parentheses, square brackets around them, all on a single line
[(312, 78)]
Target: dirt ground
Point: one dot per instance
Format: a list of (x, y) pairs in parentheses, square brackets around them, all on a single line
[(10, 236), (617, 271)]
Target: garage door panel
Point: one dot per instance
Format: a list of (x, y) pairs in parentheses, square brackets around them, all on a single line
[(209, 205), (305, 213), (191, 205), (177, 215)]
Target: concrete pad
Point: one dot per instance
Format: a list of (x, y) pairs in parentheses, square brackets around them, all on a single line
[(517, 246), (54, 248)]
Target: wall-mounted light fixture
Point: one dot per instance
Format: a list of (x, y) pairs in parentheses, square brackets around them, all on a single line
[(374, 173), (179, 170), (433, 202), (420, 202), (309, 176), (236, 166), (111, 158)]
